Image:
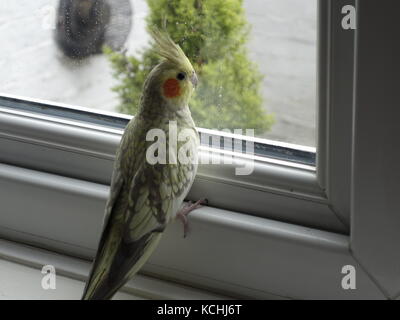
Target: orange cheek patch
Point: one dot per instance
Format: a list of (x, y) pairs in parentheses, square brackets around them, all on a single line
[(171, 88)]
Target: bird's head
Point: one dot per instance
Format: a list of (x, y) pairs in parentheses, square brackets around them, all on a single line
[(174, 79)]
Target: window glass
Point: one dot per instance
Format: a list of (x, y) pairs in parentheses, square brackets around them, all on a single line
[(283, 43), (256, 59)]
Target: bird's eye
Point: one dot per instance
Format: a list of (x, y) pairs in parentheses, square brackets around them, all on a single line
[(181, 76)]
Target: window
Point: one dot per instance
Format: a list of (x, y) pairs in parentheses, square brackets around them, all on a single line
[(30, 51), (270, 88), (280, 169), (290, 219), (284, 44), (224, 102)]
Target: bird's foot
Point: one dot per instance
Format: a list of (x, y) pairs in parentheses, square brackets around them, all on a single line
[(184, 212)]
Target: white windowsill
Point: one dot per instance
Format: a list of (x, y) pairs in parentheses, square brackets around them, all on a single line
[(262, 259), (22, 264)]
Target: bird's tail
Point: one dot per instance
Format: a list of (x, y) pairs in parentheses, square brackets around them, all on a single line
[(102, 292), (127, 261)]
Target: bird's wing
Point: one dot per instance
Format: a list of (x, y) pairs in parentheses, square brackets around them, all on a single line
[(137, 217), (109, 238)]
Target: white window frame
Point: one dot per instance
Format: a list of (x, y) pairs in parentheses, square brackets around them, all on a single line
[(282, 232)]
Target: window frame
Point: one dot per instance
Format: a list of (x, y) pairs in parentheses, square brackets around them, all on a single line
[(375, 204), (335, 117)]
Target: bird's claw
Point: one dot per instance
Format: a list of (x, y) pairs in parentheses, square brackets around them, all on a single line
[(184, 212)]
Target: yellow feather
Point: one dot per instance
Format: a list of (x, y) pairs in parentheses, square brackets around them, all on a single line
[(169, 50)]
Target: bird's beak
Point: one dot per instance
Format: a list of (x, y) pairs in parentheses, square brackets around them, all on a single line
[(194, 80)]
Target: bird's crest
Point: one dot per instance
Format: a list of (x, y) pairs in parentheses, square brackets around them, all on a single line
[(169, 50)]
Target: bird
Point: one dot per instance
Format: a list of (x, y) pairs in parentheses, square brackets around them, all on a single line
[(146, 196)]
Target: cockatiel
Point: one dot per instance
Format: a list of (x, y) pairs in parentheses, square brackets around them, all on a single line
[(145, 197)]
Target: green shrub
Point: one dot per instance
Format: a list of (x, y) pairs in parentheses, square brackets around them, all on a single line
[(213, 34)]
